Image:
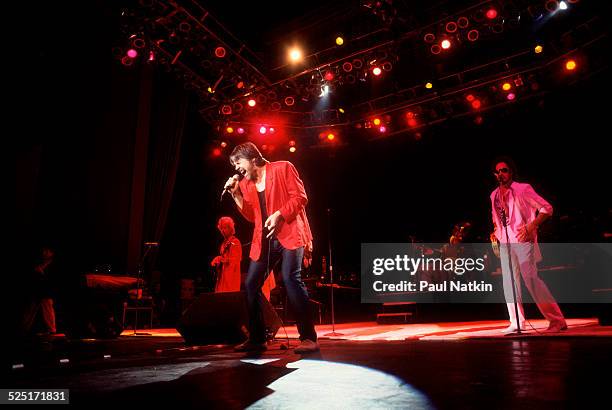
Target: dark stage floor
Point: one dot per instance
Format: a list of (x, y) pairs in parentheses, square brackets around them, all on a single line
[(534, 372)]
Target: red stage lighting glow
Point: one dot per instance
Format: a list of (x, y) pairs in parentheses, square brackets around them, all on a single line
[(491, 13), (229, 130), (252, 102), (570, 65), (216, 152), (476, 104), (329, 75), (445, 44), (271, 130), (289, 101), (263, 130), (292, 149), (223, 144), (511, 96), (382, 128), (240, 130), (470, 97), (240, 84), (132, 53), (412, 122), (220, 52), (376, 121), (376, 71), (331, 136), (506, 86)]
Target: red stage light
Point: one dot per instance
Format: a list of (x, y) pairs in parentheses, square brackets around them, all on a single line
[(226, 109), (473, 35), (240, 84), (476, 104), (223, 144), (289, 101), (511, 96), (240, 130), (491, 13), (132, 53), (216, 152), (347, 67), (376, 71), (412, 122), (329, 75), (271, 130), (220, 52), (382, 128), (252, 102), (445, 44), (470, 97), (263, 130)]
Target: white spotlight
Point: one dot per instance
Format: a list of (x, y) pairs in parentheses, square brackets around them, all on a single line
[(562, 5)]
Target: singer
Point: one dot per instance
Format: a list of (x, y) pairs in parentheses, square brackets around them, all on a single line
[(519, 209), (272, 196)]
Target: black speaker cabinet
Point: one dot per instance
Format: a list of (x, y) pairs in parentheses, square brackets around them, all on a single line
[(222, 318)]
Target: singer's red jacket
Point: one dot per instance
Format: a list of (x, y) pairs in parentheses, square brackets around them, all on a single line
[(285, 193)]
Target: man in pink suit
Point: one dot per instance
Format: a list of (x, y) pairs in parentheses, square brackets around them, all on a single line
[(519, 208), (272, 196)]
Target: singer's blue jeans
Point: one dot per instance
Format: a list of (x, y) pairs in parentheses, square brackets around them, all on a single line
[(291, 269)]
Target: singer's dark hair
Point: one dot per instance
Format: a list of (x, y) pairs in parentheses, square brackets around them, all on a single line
[(508, 161), (248, 151)]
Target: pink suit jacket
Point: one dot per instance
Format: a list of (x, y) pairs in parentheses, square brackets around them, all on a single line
[(285, 193)]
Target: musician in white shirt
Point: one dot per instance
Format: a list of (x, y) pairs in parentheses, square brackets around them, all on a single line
[(523, 210)]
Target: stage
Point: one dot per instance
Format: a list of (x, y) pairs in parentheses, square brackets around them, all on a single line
[(426, 365)]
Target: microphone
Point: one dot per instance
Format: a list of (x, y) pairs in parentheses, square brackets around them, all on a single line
[(226, 188), (151, 244)]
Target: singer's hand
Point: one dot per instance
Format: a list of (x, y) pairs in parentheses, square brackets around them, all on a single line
[(492, 237), (232, 184), (273, 222), (216, 261), (526, 233)]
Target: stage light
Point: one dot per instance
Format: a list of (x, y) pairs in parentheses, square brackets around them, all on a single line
[(463, 22), (347, 67), (226, 109), (263, 130), (511, 96), (491, 13), (151, 56), (382, 129), (570, 65), (252, 103), (240, 130), (223, 144), (216, 152), (132, 53), (429, 86), (551, 5), (451, 27), (435, 49), (429, 38), (476, 104), (127, 61), (210, 90), (330, 136), (473, 35), (292, 143), (339, 40), (289, 101), (220, 52), (562, 5), (470, 97), (229, 130), (376, 71), (292, 149), (295, 55), (240, 84), (271, 130), (412, 122), (506, 86), (341, 110), (324, 90), (478, 120), (329, 75), (445, 44), (376, 121), (538, 49)]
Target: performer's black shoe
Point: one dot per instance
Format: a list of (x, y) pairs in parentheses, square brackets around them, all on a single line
[(249, 346)]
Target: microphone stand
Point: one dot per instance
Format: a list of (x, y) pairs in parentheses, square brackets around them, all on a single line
[(139, 273), (331, 277), (504, 221)]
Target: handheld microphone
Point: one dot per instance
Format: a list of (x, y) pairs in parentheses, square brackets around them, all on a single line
[(227, 188)]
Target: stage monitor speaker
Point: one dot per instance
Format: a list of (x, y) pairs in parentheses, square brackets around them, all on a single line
[(222, 318)]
